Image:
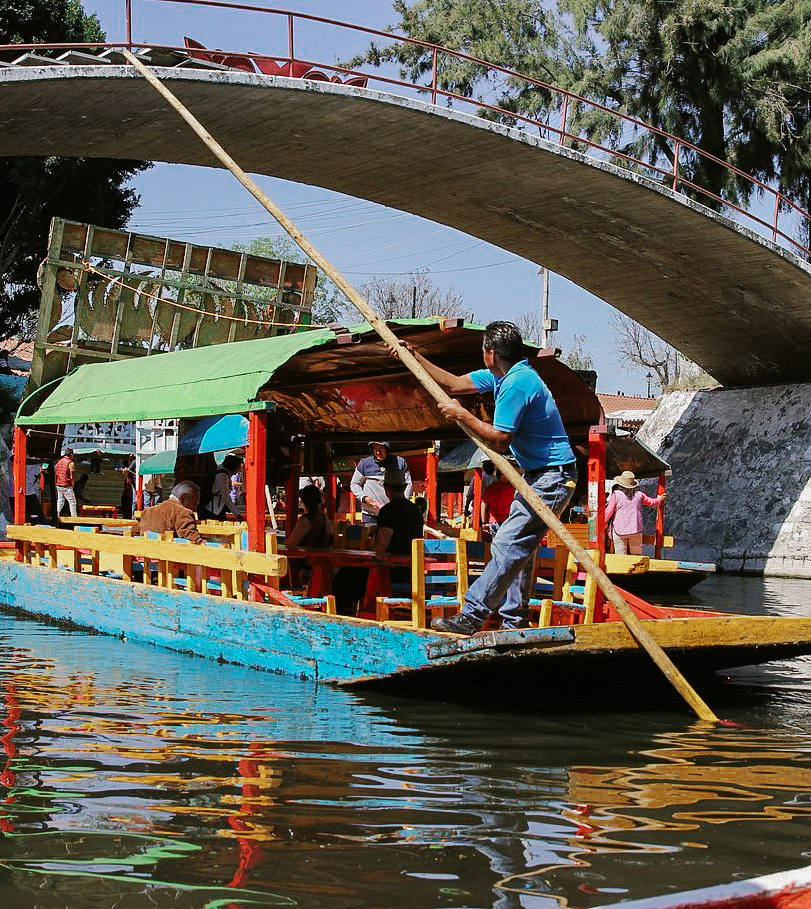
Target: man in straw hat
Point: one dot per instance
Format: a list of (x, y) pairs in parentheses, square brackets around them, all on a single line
[(624, 513), (527, 422)]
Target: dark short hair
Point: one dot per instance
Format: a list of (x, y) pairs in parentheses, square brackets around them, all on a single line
[(311, 497), (68, 451), (505, 340), (231, 462)]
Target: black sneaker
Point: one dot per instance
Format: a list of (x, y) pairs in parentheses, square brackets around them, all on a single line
[(456, 624)]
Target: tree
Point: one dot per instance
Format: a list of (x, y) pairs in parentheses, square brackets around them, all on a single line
[(413, 296), (577, 357), (329, 303), (636, 347), (530, 324), (733, 79), (35, 190)]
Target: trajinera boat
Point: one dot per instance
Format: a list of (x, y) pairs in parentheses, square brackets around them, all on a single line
[(297, 399)]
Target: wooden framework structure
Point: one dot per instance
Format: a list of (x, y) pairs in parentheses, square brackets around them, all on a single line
[(111, 294)]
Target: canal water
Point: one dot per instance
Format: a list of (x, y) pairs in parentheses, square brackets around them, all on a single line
[(137, 778)]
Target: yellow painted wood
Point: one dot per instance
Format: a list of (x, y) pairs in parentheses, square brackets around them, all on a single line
[(662, 565), (649, 539), (626, 564), (251, 562), (702, 632), (94, 520), (590, 592), (461, 571), (417, 584)]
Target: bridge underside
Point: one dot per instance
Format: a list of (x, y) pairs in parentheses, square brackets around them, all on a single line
[(734, 303)]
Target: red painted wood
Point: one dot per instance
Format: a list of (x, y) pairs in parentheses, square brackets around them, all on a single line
[(432, 487), (139, 495), (658, 544), (255, 479), (596, 504), (18, 478), (478, 486), (20, 455)]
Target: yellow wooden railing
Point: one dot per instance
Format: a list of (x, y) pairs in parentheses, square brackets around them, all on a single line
[(175, 563)]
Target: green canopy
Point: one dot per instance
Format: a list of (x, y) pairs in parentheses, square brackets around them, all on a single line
[(220, 379), (204, 381)]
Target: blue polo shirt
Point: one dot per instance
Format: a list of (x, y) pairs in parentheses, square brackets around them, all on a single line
[(526, 408)]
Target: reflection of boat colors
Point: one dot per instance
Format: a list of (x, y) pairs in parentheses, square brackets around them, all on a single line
[(303, 393), (785, 890)]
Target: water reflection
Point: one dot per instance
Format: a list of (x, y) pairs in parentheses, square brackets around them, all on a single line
[(133, 777)]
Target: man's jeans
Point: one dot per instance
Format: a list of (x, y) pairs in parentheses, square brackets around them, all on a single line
[(506, 582)]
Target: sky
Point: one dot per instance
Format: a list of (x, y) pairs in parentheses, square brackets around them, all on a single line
[(363, 239)]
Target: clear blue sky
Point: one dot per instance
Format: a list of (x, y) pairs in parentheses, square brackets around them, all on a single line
[(363, 239)]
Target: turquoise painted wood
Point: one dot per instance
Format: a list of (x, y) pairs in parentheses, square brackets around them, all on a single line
[(297, 642)]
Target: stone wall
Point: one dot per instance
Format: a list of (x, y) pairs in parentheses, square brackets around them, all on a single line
[(740, 495)]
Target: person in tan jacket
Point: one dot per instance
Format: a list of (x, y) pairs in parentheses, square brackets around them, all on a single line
[(177, 514)]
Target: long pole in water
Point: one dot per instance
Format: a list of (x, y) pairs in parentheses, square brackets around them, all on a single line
[(640, 634)]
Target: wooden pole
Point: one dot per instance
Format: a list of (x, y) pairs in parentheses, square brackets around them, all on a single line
[(635, 627)]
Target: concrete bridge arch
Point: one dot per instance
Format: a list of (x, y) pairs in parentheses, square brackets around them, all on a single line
[(732, 301)]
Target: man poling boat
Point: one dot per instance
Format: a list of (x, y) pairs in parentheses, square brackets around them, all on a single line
[(527, 422)]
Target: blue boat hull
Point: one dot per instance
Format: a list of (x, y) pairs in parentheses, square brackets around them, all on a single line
[(296, 642)]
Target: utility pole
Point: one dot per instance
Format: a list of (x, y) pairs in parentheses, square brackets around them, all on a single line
[(547, 325)]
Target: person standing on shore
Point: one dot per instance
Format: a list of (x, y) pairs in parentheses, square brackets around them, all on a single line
[(65, 473)]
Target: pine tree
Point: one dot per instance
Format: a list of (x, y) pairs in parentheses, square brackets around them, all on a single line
[(732, 79)]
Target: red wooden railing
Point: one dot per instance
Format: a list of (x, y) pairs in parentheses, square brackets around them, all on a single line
[(777, 203)]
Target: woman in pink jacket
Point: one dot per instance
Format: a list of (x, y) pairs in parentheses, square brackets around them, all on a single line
[(625, 508)]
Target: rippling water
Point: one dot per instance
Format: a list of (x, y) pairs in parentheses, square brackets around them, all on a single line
[(133, 777)]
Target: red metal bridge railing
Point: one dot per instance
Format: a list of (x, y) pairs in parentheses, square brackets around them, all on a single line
[(669, 176)]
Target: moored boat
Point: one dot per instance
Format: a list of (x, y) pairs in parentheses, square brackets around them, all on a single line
[(227, 601)]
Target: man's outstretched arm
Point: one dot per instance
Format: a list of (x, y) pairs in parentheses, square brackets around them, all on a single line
[(495, 438), (453, 385)]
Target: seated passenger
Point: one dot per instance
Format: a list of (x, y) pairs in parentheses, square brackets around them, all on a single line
[(399, 522), (313, 528), (175, 514)]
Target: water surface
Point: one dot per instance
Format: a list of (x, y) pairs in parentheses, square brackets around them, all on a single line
[(133, 777)]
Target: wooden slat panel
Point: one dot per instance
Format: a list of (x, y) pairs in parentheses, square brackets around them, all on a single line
[(209, 557)]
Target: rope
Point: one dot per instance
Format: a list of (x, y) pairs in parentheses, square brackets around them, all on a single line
[(91, 269)]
